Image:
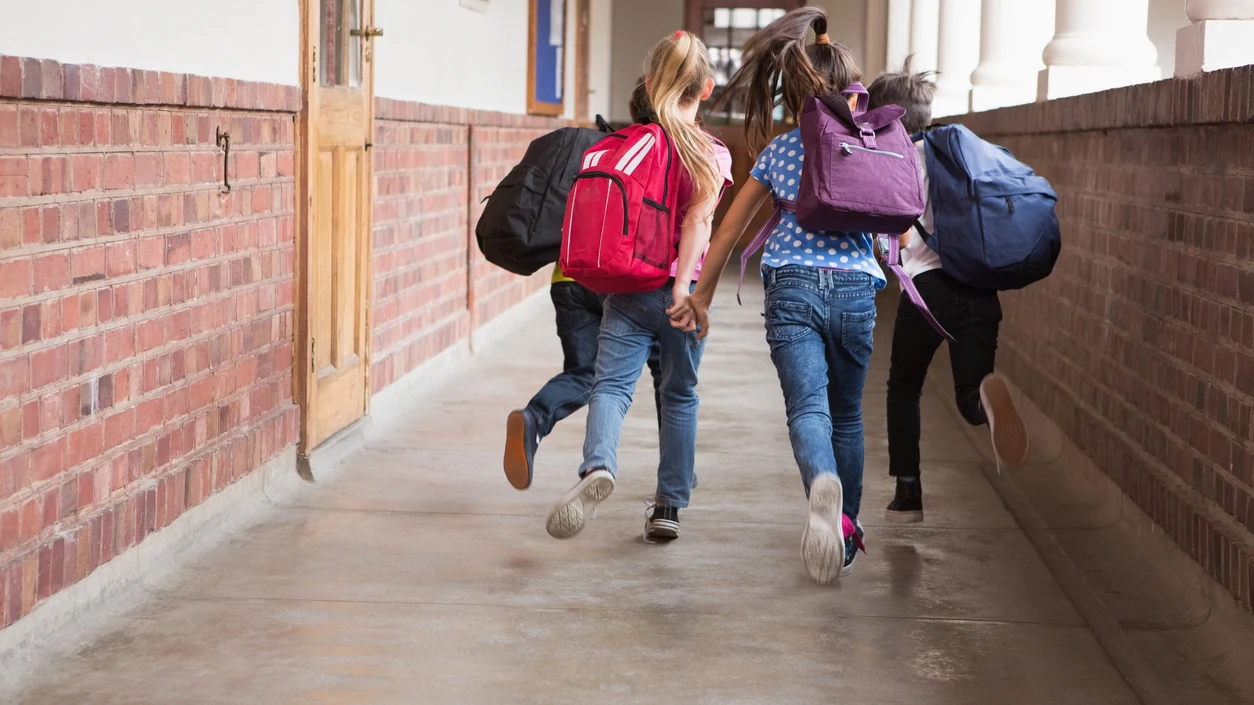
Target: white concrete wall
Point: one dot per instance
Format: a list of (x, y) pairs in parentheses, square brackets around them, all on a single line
[(600, 57), (436, 51), (254, 40), (637, 26), (1165, 17)]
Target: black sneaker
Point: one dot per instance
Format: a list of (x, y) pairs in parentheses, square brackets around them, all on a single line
[(520, 448), (662, 524), (907, 505)]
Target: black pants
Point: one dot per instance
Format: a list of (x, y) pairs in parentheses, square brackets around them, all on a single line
[(579, 312), (972, 317)]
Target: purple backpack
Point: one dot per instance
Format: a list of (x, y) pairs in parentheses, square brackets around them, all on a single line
[(861, 174)]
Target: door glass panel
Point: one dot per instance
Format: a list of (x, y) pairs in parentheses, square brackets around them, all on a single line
[(341, 51)]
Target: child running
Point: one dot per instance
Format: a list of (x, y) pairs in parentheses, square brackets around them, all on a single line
[(820, 286), (579, 311), (971, 316), (679, 77)]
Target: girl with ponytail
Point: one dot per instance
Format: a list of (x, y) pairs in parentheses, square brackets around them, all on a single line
[(820, 286), (678, 77)]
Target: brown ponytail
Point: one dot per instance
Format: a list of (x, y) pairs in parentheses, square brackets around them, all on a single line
[(678, 68), (779, 69)]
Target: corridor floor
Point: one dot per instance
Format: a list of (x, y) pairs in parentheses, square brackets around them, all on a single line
[(418, 575)]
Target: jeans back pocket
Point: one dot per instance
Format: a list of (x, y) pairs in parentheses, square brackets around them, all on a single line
[(857, 332), (787, 321)]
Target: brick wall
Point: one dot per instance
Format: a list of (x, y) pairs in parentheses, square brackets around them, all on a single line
[(145, 317), (1141, 344), (433, 165)]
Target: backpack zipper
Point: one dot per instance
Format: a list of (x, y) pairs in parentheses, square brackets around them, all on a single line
[(1010, 204), (849, 148)]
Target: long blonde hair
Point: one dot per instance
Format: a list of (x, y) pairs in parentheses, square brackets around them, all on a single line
[(678, 68)]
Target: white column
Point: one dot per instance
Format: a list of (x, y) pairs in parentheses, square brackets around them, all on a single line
[(958, 57), (1012, 35), (1098, 46), (1220, 37), (924, 34), (898, 33)]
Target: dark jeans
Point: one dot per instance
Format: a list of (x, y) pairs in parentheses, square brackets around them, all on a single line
[(579, 313), (971, 316)]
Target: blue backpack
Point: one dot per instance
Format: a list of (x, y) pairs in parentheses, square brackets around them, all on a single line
[(994, 220)]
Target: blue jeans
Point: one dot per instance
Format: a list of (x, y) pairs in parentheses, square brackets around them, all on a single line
[(820, 325), (579, 313), (631, 325)]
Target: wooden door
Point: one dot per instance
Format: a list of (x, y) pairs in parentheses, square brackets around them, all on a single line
[(335, 195)]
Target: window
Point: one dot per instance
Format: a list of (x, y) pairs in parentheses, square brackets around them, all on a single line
[(726, 29), (341, 42)]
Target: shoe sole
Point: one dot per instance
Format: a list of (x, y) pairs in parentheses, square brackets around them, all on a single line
[(663, 529), (571, 514), (517, 470), (1010, 436), (899, 517), (823, 542)]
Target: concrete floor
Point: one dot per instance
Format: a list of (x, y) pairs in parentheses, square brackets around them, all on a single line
[(418, 575)]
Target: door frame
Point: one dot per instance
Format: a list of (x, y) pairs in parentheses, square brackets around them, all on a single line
[(303, 381)]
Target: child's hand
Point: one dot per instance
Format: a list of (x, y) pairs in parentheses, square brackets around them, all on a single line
[(694, 315), (682, 317)]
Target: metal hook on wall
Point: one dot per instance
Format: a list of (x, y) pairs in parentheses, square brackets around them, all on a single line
[(224, 141)]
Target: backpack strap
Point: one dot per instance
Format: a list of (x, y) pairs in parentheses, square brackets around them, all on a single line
[(893, 260), (864, 98), (779, 205)]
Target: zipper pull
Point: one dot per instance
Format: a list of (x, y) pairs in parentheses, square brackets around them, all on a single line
[(1010, 204)]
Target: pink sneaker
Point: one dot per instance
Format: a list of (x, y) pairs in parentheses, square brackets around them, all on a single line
[(853, 542)]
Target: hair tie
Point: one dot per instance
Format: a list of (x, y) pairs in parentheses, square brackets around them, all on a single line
[(822, 39), (678, 33)]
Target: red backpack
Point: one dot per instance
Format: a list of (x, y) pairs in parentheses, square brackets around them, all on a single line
[(618, 235)]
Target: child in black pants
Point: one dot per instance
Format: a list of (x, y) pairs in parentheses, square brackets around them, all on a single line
[(578, 323), (971, 316)]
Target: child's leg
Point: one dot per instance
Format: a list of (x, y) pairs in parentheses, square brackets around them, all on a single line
[(578, 313), (795, 311), (655, 371), (626, 335), (680, 356), (914, 344), (578, 323), (850, 340), (974, 350)]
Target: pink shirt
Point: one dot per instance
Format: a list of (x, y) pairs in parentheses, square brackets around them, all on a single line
[(685, 195)]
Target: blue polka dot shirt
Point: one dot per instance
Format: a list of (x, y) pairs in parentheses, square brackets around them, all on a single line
[(779, 169)]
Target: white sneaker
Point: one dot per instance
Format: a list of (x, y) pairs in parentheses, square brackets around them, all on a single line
[(571, 513), (1010, 436), (823, 542)]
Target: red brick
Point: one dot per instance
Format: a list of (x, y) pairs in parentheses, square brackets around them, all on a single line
[(15, 278), (51, 271), (8, 126), (11, 322), (50, 227), (119, 171), (10, 77), (9, 530), (120, 259), (10, 427), (148, 169), (48, 366), (31, 520), (28, 126), (10, 228), (86, 171), (87, 263), (49, 128), (14, 177), (48, 460), (30, 420)]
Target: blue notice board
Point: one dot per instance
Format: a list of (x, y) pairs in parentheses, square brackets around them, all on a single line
[(546, 65)]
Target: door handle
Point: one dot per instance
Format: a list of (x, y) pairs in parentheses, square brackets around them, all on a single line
[(367, 32)]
